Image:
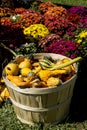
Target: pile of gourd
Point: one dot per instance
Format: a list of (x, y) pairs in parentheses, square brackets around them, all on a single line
[(40, 73)]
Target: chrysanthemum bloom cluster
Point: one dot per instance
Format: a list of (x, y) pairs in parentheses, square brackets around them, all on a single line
[(58, 23), (30, 17), (58, 10), (12, 27), (81, 39), (44, 6), (11, 32), (55, 23), (84, 22), (45, 41), (80, 10), (64, 47), (19, 10), (5, 12), (5, 21), (74, 18), (36, 31), (24, 18)]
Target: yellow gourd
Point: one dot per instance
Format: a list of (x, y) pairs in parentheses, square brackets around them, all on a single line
[(25, 71), (25, 64), (45, 74), (52, 82), (12, 69)]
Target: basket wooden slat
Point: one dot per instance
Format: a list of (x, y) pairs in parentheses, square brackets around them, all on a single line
[(46, 105)]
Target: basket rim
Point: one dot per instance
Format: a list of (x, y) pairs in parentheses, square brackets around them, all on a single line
[(37, 90)]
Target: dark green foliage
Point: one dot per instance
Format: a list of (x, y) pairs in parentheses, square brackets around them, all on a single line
[(28, 48), (22, 3)]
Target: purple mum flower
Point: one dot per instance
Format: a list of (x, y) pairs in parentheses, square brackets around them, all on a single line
[(66, 48)]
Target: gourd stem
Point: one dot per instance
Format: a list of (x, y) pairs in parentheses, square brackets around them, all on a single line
[(2, 45), (67, 63)]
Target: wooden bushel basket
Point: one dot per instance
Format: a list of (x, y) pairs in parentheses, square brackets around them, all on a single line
[(45, 105)]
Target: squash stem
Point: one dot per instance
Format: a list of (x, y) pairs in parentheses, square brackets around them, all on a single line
[(67, 63)]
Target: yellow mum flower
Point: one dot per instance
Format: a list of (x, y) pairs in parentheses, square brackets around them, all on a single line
[(86, 33), (79, 41), (36, 31), (82, 34), (26, 31)]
